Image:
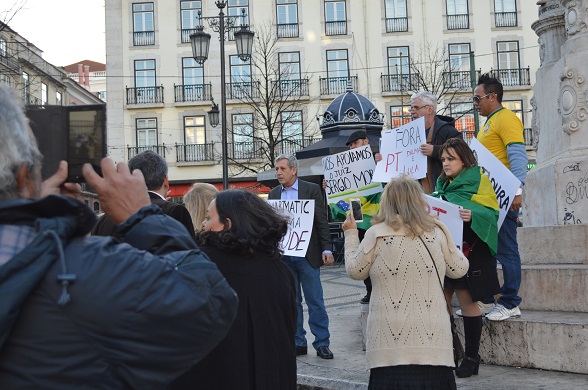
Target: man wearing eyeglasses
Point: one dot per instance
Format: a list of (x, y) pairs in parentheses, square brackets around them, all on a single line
[(438, 129), (502, 134)]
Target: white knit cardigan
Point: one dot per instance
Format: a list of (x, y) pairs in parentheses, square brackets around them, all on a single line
[(408, 321)]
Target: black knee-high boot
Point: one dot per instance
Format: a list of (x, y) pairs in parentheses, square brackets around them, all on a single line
[(472, 327)]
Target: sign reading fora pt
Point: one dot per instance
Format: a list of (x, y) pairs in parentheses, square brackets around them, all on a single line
[(300, 214)]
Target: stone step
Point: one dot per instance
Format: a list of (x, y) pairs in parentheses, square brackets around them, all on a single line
[(565, 244), (550, 340)]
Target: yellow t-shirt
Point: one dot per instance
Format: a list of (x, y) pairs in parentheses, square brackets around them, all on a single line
[(502, 128)]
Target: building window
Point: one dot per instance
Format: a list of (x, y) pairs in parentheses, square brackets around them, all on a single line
[(240, 86), (192, 72), (26, 90), (505, 13), (287, 18), (464, 118), (3, 51), (189, 18), (335, 17), (243, 146), (457, 15), (289, 65), (236, 8), (58, 98), (337, 73), (102, 95), (509, 71), (194, 130), (399, 115), (396, 17), (44, 94), (143, 27), (399, 78), (458, 75), (292, 133), (147, 132)]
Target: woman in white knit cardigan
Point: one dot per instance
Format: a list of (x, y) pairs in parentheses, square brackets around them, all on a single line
[(409, 343)]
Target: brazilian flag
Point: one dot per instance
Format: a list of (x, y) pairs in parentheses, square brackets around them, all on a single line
[(472, 190), (370, 203)]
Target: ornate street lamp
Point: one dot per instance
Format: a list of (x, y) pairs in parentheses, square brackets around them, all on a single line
[(200, 45)]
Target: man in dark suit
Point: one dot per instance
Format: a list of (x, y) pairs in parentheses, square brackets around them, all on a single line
[(154, 169), (306, 270)]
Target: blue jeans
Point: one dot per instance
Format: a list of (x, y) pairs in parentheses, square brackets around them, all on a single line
[(508, 255), (308, 280)]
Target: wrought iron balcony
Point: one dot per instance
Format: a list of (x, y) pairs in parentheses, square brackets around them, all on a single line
[(242, 90), (398, 82), (396, 24), (194, 152), (505, 19), (336, 28), (193, 93), (293, 145), (132, 151), (145, 95), (244, 150), (288, 30), (528, 135), (459, 79), (512, 77), (337, 85), (186, 34), (143, 38), (458, 22), (291, 88)]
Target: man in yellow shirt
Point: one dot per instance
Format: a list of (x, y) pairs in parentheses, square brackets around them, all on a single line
[(502, 134)]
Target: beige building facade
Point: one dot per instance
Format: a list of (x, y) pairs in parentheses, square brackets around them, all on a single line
[(158, 96)]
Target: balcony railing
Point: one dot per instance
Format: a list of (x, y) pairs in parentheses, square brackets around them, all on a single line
[(244, 150), (193, 93), (30, 100), (396, 24), (288, 88), (293, 145), (289, 30), (511, 77), (458, 22), (143, 38), (336, 28), (528, 135), (10, 62), (459, 79), (145, 95), (505, 19), (242, 90), (194, 152), (186, 32), (337, 85), (398, 82), (132, 151)]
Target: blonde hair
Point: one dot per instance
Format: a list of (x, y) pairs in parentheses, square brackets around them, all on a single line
[(197, 200), (403, 205)]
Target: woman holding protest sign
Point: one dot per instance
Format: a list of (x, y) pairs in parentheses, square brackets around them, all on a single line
[(242, 234), (406, 253), (463, 183)]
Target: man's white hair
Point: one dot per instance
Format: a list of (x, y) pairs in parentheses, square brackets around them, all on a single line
[(17, 144), (427, 98)]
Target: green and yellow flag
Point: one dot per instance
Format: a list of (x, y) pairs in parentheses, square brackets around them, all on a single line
[(370, 203)]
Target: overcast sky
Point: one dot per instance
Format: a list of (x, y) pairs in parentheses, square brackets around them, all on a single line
[(67, 31)]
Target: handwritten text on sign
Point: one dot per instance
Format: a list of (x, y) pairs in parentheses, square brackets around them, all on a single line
[(505, 184), (448, 213), (348, 170), (401, 152), (300, 214)]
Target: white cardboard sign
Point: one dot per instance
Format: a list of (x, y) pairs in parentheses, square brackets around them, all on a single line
[(448, 213), (348, 170), (300, 214)]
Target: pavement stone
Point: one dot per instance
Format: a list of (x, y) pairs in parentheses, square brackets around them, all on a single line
[(347, 370)]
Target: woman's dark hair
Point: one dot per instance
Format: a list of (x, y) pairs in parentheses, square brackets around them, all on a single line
[(457, 146), (255, 226)]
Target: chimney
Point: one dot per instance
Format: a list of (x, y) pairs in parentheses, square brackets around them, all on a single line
[(87, 75), (80, 74)]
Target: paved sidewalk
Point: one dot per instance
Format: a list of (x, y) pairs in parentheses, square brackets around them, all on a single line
[(347, 370)]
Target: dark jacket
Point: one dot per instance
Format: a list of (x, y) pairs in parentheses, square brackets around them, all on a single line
[(140, 313), (444, 130), (105, 227), (320, 239), (259, 352)]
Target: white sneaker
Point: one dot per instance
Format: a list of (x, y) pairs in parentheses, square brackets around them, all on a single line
[(485, 308), (501, 313)]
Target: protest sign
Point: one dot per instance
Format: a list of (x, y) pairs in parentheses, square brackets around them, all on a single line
[(505, 184), (300, 214), (401, 152), (448, 213), (349, 175)]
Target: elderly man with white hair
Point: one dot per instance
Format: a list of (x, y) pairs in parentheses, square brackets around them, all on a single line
[(438, 129)]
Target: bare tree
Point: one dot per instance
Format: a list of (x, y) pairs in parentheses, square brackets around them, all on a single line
[(277, 97), (7, 15)]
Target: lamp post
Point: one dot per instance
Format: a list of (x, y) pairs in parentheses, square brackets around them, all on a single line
[(200, 45)]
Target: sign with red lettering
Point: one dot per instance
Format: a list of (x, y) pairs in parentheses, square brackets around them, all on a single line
[(401, 152), (300, 214), (448, 213)]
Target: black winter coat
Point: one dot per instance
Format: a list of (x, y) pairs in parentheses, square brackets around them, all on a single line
[(140, 313)]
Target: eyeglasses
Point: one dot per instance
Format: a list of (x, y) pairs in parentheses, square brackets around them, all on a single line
[(416, 108), (477, 99)]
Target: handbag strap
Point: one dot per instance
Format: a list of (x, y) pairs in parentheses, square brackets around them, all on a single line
[(434, 265)]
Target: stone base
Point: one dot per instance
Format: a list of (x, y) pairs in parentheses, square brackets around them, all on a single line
[(560, 244)]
